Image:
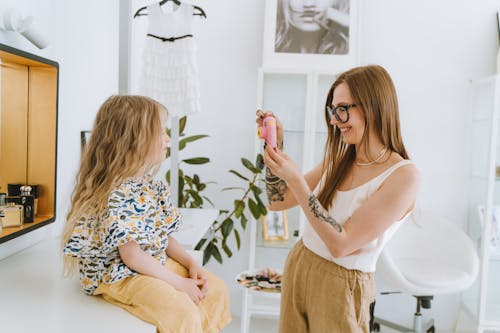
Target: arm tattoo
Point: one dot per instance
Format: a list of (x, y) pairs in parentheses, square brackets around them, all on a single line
[(275, 187), (319, 212)]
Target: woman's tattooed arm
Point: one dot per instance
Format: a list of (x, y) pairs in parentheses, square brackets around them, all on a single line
[(275, 187), (319, 212)]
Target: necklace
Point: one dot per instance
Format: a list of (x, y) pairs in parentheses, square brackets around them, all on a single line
[(381, 154)]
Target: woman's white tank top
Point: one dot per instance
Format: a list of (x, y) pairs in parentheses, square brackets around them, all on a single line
[(344, 205)]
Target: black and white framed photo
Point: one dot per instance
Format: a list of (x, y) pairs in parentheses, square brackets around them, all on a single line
[(311, 34), (275, 226)]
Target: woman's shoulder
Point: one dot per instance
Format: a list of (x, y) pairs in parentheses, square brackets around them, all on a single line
[(402, 171)]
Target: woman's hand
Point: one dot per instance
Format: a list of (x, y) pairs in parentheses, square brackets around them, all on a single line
[(332, 14), (281, 165), (279, 127), (197, 273), (192, 288)]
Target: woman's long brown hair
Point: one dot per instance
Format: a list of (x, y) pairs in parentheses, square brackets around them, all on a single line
[(373, 91), (125, 129)]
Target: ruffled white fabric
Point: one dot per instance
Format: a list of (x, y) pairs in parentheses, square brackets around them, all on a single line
[(169, 71)]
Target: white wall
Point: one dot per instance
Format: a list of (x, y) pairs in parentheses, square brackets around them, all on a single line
[(83, 38), (229, 54), (432, 48)]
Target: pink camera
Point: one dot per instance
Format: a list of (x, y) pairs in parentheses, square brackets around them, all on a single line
[(268, 131)]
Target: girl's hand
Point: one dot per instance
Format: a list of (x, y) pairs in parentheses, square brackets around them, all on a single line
[(192, 288), (260, 115), (197, 273), (281, 165)]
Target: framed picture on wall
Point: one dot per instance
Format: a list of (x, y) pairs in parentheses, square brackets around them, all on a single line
[(84, 138), (275, 226), (498, 26), (311, 35)]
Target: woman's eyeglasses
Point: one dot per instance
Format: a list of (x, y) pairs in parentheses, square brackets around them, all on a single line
[(340, 112)]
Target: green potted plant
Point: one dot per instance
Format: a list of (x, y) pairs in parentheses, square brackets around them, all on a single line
[(247, 200)]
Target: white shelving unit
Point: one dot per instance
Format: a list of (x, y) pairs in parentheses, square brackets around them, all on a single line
[(297, 98), (483, 300)]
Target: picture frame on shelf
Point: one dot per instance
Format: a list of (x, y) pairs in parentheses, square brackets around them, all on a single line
[(298, 35), (275, 226), (494, 239)]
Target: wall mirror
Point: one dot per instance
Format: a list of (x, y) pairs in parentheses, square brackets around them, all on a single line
[(28, 134)]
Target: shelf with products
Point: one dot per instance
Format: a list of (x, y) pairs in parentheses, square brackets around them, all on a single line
[(297, 98), (28, 138)]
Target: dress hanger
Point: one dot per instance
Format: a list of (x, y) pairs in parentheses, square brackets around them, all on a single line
[(200, 12)]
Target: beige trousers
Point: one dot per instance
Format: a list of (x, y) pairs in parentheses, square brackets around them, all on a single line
[(172, 311), (319, 296)]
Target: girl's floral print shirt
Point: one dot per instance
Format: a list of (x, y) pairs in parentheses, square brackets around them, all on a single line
[(140, 210)]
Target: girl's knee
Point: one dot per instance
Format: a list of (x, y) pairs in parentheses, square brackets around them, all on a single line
[(188, 312), (217, 285)]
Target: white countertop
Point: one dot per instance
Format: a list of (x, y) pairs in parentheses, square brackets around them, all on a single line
[(34, 296), (196, 223)]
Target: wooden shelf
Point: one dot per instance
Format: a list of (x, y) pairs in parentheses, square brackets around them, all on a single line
[(12, 232), (28, 130)]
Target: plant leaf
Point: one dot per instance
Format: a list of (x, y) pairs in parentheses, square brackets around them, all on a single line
[(227, 250), (239, 175), (233, 188), (182, 125), (216, 254), (263, 209), (207, 253), (239, 207), (249, 165), (209, 201), (196, 160), (183, 142), (244, 221), (254, 208), (238, 240), (256, 190), (200, 244), (188, 180), (227, 227), (181, 188), (259, 162)]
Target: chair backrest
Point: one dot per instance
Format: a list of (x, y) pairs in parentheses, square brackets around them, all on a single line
[(428, 238)]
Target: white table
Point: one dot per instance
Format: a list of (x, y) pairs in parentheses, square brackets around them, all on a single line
[(196, 223)]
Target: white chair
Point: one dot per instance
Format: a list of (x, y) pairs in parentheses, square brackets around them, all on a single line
[(427, 256)]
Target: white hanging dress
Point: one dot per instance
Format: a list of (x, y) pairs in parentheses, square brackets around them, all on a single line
[(169, 71)]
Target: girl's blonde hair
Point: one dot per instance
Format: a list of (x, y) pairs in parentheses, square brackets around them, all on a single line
[(125, 130), (373, 92)]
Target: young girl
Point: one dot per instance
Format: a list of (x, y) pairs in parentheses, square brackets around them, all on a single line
[(354, 201), (119, 225)]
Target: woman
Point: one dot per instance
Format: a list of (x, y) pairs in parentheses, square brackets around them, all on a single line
[(312, 26), (354, 201)]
